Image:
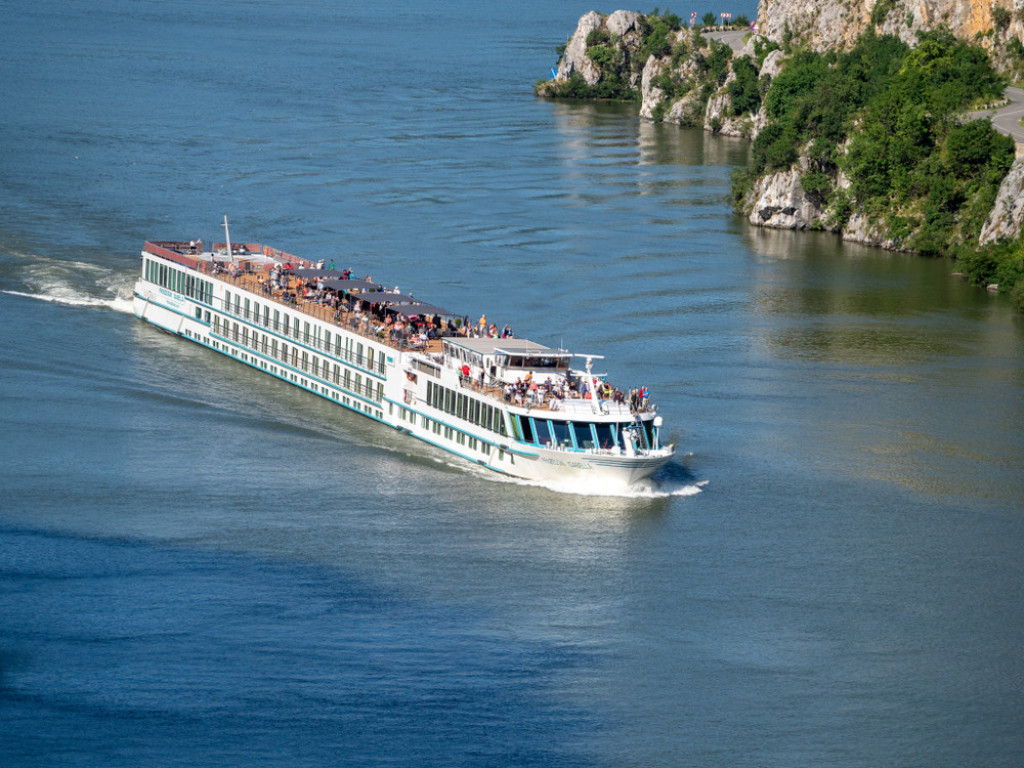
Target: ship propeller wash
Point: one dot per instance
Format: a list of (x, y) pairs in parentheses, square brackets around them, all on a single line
[(511, 405)]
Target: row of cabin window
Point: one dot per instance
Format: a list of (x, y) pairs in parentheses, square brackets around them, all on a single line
[(473, 443), (300, 359), (179, 281), (466, 407), (312, 334)]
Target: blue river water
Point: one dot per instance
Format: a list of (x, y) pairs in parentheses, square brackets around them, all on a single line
[(201, 566)]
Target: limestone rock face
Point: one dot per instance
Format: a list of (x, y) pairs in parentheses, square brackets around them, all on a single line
[(838, 24), (780, 202), (772, 64), (860, 229), (650, 94), (686, 110), (621, 23), (623, 28), (718, 119), (1007, 216), (575, 58)]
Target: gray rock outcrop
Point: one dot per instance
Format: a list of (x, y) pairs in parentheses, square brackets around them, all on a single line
[(575, 58), (1007, 216), (781, 203)]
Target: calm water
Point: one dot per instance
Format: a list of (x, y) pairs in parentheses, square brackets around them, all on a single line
[(199, 566)]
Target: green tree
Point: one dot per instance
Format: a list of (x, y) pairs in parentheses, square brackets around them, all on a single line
[(744, 95)]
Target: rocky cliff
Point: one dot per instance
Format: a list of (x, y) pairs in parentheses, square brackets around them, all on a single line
[(837, 24)]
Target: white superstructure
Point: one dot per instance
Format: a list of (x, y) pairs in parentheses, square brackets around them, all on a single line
[(507, 404)]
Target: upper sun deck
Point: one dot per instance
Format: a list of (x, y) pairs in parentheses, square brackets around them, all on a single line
[(518, 371)]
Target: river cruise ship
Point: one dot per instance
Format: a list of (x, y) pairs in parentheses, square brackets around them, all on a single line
[(507, 404)]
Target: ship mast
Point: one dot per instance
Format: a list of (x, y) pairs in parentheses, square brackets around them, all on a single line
[(227, 236)]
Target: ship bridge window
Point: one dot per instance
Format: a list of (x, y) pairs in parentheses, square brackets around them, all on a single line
[(583, 434), (560, 432), (605, 435), (526, 426)]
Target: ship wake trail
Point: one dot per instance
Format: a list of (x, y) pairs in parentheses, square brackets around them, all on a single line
[(672, 480), (72, 283)]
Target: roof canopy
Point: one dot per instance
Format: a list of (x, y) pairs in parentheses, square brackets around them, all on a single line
[(351, 286), (418, 309), (382, 297), (516, 347), (317, 272)]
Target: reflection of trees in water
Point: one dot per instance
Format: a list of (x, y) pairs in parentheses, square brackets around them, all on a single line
[(656, 143), (823, 299)]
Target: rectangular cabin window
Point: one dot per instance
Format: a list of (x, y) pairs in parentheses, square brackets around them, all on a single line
[(560, 431), (327, 340), (582, 434), (359, 354), (605, 435), (525, 424), (227, 301), (305, 332), (369, 358)]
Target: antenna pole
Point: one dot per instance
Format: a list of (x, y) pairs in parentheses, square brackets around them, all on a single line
[(227, 236)]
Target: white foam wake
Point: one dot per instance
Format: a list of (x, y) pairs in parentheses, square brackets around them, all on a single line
[(657, 487), (73, 283)]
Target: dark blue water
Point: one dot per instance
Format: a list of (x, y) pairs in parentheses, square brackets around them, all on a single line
[(202, 567)]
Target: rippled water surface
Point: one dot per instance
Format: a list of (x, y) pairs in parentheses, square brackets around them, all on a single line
[(201, 566)]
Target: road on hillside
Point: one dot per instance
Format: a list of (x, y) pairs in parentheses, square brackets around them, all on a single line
[(734, 39), (1006, 119)]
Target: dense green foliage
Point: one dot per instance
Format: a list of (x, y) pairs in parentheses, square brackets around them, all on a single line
[(744, 94), (656, 30)]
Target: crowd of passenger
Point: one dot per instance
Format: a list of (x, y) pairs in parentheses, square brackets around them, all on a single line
[(376, 319), (552, 392)]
